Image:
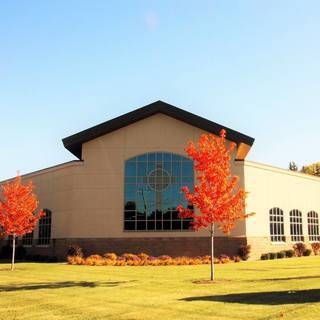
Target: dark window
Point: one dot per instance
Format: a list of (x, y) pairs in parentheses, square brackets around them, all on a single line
[(296, 226), (313, 226), (45, 228), (276, 225), (27, 239), (153, 184)]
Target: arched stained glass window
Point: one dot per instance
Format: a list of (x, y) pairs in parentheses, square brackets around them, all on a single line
[(153, 184), (45, 228), (296, 225), (313, 226), (27, 239), (276, 225)]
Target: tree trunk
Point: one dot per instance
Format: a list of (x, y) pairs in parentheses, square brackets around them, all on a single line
[(13, 251), (212, 252)]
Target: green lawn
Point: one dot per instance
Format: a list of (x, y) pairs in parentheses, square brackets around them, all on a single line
[(247, 290)]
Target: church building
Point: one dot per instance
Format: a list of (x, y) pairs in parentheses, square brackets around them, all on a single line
[(121, 193)]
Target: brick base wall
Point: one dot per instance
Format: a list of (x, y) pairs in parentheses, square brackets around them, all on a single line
[(188, 246), (261, 245)]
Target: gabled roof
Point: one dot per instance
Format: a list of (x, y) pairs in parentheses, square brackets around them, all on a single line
[(74, 143)]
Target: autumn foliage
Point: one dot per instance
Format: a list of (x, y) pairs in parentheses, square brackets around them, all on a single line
[(143, 259), (216, 194), (18, 206)]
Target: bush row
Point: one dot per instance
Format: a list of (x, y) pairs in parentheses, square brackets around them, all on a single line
[(315, 248), (142, 259), (299, 250)]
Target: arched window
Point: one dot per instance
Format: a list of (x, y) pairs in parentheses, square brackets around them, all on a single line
[(296, 225), (45, 228), (313, 226), (27, 239), (153, 184), (276, 225)]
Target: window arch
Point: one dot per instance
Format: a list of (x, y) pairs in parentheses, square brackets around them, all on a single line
[(296, 225), (153, 184), (27, 239), (45, 228), (276, 225), (313, 226)]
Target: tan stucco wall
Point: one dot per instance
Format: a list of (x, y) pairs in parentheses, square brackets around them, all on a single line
[(54, 188), (100, 188), (87, 197), (270, 187)]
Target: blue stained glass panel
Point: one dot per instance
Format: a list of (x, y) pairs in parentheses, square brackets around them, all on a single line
[(153, 184)]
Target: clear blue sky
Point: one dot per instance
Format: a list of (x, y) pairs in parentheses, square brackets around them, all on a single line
[(67, 65)]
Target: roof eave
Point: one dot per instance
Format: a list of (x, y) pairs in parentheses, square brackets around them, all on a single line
[(74, 142)]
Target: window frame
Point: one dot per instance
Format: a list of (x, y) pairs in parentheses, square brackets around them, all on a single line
[(44, 227), (151, 159), (296, 226), (276, 226), (313, 226), (27, 239)]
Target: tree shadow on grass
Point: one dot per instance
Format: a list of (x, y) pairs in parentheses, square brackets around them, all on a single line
[(273, 268), (265, 298), (284, 279), (59, 285)]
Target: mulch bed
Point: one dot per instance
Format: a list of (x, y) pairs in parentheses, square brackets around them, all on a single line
[(218, 281)]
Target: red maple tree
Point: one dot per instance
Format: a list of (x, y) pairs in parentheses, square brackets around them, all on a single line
[(216, 195), (17, 210)]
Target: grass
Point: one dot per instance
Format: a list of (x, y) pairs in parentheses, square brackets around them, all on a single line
[(247, 290)]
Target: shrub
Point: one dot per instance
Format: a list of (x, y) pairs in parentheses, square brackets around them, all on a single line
[(299, 249), (315, 248), (6, 252), (120, 262), (128, 259), (143, 256), (75, 250), (281, 254), (110, 256), (216, 260), (289, 253), (236, 259), (164, 257), (265, 256), (75, 260), (273, 255), (225, 260), (307, 252), (129, 256), (21, 252), (95, 257), (206, 260), (244, 251), (94, 260)]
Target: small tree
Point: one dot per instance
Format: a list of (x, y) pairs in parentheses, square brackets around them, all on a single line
[(215, 194), (17, 211), (293, 166), (313, 169)]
